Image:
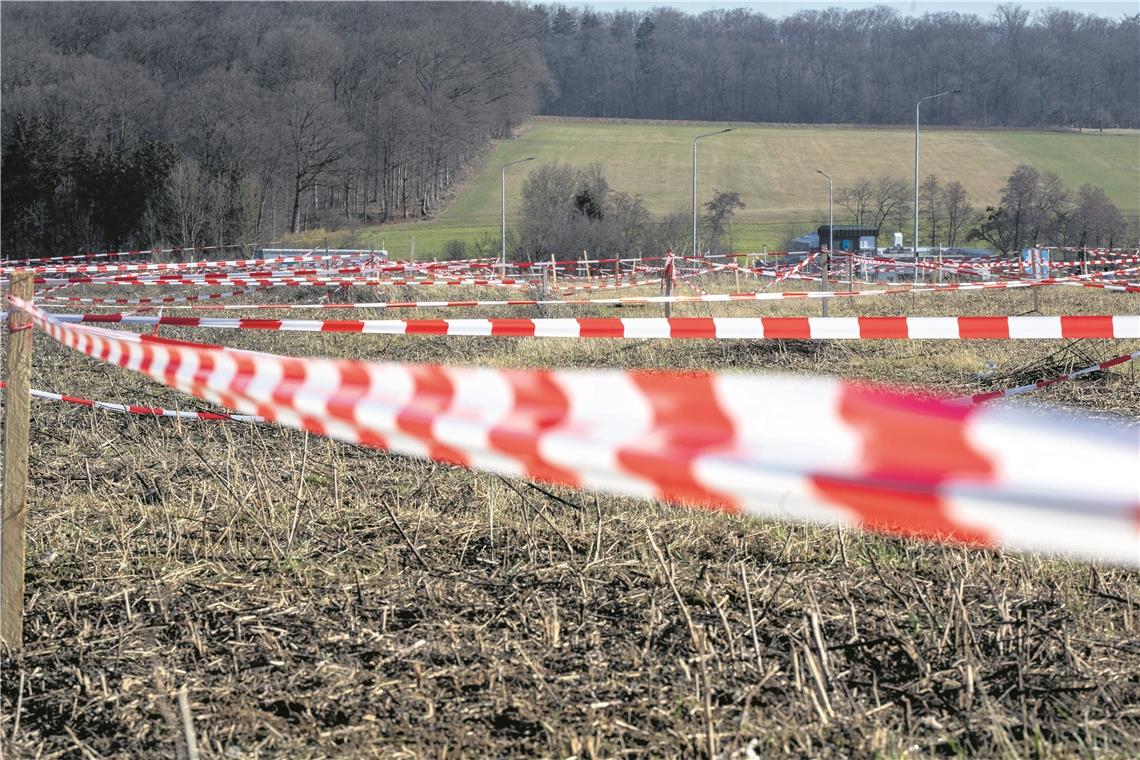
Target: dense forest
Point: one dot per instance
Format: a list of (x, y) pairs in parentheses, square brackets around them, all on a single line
[(1054, 68), (130, 124), (125, 123)]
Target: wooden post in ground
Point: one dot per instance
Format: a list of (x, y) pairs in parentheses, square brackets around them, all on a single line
[(1036, 276), (543, 292), (13, 519), (586, 259), (553, 272), (667, 282), (825, 269)]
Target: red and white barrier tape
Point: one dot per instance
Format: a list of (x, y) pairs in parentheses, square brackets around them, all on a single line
[(145, 411), (625, 301), (156, 301), (118, 254), (179, 266), (799, 328), (1095, 251), (619, 286), (322, 282), (795, 270), (978, 398), (1088, 281), (1131, 287), (820, 450), (1021, 265)]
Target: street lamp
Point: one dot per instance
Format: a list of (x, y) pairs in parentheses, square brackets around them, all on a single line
[(503, 199), (830, 237), (699, 137), (916, 120)]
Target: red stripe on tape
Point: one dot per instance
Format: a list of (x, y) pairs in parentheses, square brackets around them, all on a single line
[(426, 327), (255, 324), (1086, 327), (512, 327), (787, 327), (600, 327), (355, 384), (983, 327), (690, 422), (432, 396), (892, 437), (692, 327), (343, 325), (883, 327), (901, 512), (541, 405)]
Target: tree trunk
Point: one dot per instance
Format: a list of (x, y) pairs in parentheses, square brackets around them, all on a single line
[(295, 223)]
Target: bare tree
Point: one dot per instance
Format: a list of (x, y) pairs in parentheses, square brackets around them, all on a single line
[(1034, 210), (1049, 210), (1006, 227), (932, 200), (1095, 219), (959, 212), (187, 201), (891, 200), (566, 210), (858, 199), (718, 216), (314, 141)]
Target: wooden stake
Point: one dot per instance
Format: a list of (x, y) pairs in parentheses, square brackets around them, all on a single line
[(553, 271), (13, 519), (586, 258), (544, 292)]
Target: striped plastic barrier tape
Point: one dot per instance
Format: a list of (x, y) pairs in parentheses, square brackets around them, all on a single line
[(144, 411), (798, 328), (978, 398), (815, 449)]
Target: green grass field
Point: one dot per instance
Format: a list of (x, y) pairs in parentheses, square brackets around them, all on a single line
[(772, 167)]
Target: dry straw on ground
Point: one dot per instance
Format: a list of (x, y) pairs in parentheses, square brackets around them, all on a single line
[(242, 591)]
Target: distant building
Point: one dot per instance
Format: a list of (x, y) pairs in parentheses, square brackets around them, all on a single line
[(850, 237), (808, 242)]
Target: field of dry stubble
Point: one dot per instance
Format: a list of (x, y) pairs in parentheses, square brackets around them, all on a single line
[(318, 599)]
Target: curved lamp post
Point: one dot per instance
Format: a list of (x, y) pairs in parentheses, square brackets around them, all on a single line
[(917, 108), (503, 199), (830, 238), (699, 137)]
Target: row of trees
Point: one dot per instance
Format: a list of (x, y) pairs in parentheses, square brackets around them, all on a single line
[(1056, 67), (243, 119), (1035, 209)]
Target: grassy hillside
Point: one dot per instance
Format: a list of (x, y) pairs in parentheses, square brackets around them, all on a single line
[(773, 168)]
